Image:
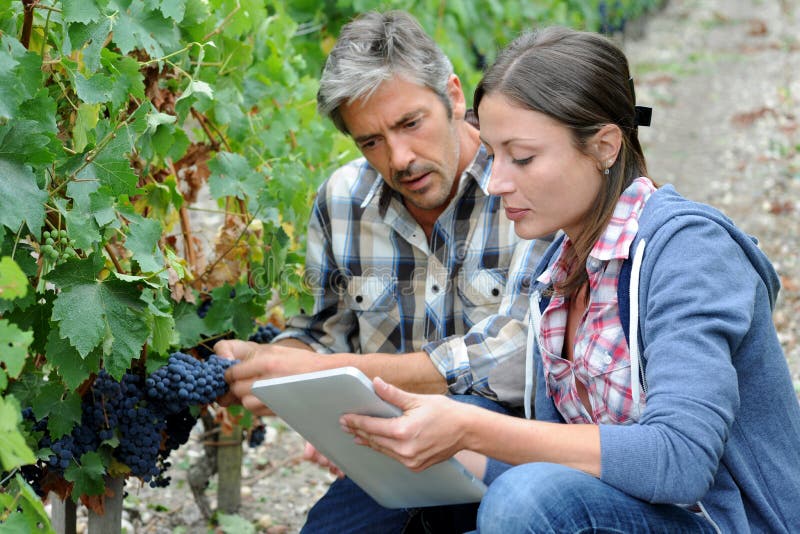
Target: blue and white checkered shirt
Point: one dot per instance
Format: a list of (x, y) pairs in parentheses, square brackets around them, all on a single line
[(381, 286)]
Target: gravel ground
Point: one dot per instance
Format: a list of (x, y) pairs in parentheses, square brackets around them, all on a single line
[(724, 79)]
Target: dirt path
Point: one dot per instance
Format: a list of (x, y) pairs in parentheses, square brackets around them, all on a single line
[(724, 79)]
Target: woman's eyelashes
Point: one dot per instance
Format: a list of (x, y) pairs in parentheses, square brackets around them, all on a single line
[(522, 162)]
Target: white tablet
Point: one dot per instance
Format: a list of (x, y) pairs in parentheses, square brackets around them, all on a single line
[(312, 403)]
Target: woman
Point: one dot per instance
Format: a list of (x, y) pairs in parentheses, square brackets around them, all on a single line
[(693, 426)]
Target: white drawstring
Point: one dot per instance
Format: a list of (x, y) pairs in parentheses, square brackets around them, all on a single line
[(633, 331)]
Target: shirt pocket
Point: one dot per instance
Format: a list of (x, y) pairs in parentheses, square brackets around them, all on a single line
[(482, 287), (480, 292), (611, 378), (371, 293)]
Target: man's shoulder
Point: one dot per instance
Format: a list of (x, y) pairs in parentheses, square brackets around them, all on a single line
[(355, 179)]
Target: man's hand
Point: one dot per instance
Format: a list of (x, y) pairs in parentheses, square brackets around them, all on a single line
[(428, 432), (311, 454), (260, 362)]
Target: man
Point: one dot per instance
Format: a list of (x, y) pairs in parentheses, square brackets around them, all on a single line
[(406, 252)]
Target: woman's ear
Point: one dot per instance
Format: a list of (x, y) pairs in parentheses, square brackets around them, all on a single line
[(606, 144)]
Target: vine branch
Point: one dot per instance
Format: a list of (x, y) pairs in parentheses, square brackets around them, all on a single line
[(114, 259), (27, 22)]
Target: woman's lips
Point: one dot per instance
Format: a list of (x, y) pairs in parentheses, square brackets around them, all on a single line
[(516, 214)]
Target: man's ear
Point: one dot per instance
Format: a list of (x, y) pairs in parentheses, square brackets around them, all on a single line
[(456, 94), (606, 144)]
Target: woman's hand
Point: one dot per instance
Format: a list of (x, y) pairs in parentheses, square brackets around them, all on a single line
[(311, 454), (429, 431)]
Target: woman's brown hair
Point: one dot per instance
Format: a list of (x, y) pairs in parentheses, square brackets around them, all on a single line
[(582, 80)]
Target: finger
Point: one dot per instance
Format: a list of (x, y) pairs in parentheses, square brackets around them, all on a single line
[(309, 451), (242, 388), (394, 395), (223, 349), (384, 446), (368, 425), (228, 399), (242, 371), (257, 407)]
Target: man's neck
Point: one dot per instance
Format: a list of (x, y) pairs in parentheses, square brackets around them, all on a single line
[(469, 143)]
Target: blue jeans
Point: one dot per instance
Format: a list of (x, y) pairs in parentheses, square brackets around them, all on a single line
[(552, 498), (346, 508)]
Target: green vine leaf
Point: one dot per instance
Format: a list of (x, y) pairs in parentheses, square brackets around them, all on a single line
[(142, 241), (73, 368), (136, 26), (29, 514), (232, 175), (112, 167), (18, 182), (13, 282), (89, 37), (14, 452), (128, 80), (20, 76), (25, 141), (95, 313), (64, 414), (15, 348), (174, 9), (88, 476), (84, 11), (95, 90), (62, 409), (189, 325)]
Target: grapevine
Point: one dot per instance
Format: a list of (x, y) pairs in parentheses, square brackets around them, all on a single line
[(124, 126)]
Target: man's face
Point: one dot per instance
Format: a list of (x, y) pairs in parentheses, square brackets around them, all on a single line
[(404, 131)]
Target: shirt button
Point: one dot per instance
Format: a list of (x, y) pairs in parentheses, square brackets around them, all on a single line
[(608, 359), (359, 299), (495, 292), (435, 288)]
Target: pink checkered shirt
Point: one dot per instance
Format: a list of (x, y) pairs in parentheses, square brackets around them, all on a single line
[(601, 360)]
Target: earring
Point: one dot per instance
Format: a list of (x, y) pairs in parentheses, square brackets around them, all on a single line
[(609, 163), (606, 171)]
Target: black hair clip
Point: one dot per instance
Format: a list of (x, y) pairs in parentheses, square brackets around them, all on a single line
[(642, 115)]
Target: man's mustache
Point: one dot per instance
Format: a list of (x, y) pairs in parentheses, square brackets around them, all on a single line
[(412, 170)]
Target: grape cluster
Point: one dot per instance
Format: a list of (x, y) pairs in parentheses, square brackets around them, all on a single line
[(202, 309), (149, 417), (265, 333), (57, 247), (186, 381), (256, 435)]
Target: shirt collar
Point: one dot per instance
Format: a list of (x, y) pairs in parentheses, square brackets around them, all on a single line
[(615, 242)]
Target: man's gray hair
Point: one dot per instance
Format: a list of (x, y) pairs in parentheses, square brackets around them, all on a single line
[(374, 48)]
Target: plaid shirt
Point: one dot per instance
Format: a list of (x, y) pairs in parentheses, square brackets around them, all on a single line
[(381, 286), (601, 361)]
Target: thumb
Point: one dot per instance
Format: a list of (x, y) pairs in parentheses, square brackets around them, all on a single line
[(394, 395)]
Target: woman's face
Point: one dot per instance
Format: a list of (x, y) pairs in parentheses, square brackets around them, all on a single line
[(546, 183)]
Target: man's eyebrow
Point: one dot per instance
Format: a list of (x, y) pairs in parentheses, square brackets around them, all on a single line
[(397, 124)]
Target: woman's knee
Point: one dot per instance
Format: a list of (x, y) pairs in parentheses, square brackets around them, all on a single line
[(532, 497)]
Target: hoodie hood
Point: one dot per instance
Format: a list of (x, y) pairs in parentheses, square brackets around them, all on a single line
[(666, 204)]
